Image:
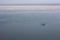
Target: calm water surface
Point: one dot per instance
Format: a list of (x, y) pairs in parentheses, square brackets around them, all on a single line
[(29, 24)]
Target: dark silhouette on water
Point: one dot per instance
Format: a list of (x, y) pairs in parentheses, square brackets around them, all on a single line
[(43, 24)]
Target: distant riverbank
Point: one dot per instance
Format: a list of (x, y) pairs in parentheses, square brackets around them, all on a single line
[(29, 7)]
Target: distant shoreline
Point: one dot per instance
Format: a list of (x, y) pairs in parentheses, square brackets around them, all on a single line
[(29, 7), (34, 4)]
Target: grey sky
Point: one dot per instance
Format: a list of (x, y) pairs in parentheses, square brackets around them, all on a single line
[(27, 1)]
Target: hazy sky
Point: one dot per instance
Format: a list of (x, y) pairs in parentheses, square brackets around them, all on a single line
[(27, 1)]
